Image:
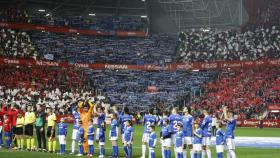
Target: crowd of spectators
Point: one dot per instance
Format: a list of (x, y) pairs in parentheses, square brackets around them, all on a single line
[(247, 92), (155, 49), (16, 44), (107, 23), (216, 45), (44, 86), (140, 89)]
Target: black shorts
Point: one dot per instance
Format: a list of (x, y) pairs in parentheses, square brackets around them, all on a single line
[(14, 130), (49, 132), (28, 130), (18, 131)]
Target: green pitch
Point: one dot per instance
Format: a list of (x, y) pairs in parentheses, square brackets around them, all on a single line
[(240, 152)]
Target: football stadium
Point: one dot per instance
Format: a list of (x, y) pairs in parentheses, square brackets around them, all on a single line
[(140, 78)]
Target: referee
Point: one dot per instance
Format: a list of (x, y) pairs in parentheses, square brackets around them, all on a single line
[(29, 119), (51, 119)]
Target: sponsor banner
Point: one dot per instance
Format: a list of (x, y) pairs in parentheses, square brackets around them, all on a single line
[(26, 26), (147, 67), (273, 107), (256, 123)]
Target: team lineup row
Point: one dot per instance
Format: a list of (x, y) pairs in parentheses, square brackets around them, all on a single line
[(180, 131)]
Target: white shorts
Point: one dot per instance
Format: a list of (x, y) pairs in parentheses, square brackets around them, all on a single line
[(128, 142), (97, 133), (101, 143), (219, 148), (123, 138), (197, 147), (188, 140), (145, 137), (62, 139), (113, 138), (166, 142), (90, 142), (206, 141), (74, 134), (230, 144), (173, 139), (179, 149)]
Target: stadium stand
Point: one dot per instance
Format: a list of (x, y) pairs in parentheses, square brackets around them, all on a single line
[(95, 23), (16, 44), (216, 45), (155, 49), (247, 92)]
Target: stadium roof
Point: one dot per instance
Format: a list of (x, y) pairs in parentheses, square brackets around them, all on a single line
[(82, 7)]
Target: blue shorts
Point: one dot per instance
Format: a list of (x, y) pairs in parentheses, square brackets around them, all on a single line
[(7, 134)]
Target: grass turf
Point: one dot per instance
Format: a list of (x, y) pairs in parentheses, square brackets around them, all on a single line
[(240, 152)]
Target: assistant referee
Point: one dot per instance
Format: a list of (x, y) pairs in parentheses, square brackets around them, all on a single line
[(29, 120)]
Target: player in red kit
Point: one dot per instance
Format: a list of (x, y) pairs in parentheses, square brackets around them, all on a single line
[(7, 131), (1, 129)]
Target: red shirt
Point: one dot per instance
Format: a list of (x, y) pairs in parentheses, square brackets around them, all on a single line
[(1, 123), (7, 125)]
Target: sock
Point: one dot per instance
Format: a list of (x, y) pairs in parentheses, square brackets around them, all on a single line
[(163, 152), (7, 143), (168, 154), (21, 143), (91, 149), (63, 148), (102, 150), (228, 154), (175, 153), (18, 143), (179, 155), (153, 154), (60, 151), (220, 155), (50, 145), (143, 151), (125, 150), (81, 149), (195, 155), (191, 153), (73, 146), (54, 145), (232, 154), (185, 153), (198, 155), (130, 151), (208, 152), (115, 148), (28, 143), (203, 153), (32, 143)]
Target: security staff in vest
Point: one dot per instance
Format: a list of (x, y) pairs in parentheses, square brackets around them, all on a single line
[(40, 128)]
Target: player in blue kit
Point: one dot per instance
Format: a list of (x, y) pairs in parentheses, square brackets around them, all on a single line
[(114, 134), (220, 140), (179, 143), (128, 138), (90, 138), (229, 134), (197, 140), (206, 127), (101, 139), (187, 120), (80, 136), (124, 118), (160, 123), (152, 141), (148, 120), (77, 118), (174, 119), (62, 133), (165, 136), (100, 119)]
